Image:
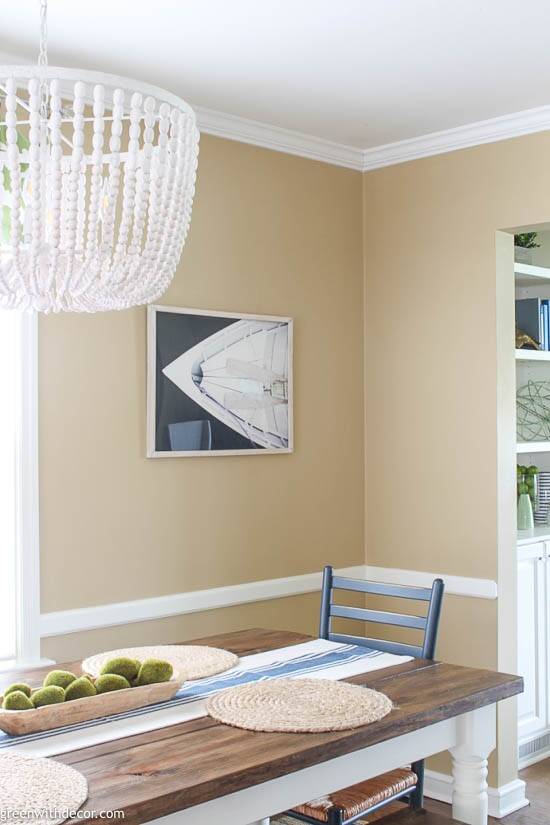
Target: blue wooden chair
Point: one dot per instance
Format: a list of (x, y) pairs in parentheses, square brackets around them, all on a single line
[(403, 784)]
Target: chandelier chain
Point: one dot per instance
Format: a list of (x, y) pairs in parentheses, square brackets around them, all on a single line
[(43, 53), (43, 61)]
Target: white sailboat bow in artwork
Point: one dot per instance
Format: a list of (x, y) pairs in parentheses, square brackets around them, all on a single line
[(240, 376)]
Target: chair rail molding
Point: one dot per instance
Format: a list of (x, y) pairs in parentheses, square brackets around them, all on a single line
[(76, 620), (454, 585)]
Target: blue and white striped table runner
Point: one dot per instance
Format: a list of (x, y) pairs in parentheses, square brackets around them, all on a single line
[(318, 659)]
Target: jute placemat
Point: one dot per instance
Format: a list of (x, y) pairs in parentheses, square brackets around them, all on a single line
[(40, 791), (298, 706), (189, 661)]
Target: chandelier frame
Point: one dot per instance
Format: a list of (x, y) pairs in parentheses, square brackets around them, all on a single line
[(120, 216)]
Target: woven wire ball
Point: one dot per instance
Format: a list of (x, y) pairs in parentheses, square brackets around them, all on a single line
[(533, 411)]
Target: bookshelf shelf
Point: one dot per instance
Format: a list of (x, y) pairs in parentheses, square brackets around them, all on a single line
[(529, 275), (533, 447), (532, 355)]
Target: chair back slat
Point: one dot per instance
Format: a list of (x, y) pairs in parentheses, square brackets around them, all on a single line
[(399, 648), (378, 616), (428, 624), (421, 594)]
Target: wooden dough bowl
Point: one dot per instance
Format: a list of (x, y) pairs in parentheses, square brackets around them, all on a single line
[(49, 717)]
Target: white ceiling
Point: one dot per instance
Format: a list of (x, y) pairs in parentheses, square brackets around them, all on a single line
[(358, 72)]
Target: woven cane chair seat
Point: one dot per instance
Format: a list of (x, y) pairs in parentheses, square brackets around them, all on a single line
[(360, 797)]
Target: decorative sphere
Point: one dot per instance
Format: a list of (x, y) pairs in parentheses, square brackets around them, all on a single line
[(18, 686), (61, 678), (51, 695), (122, 666), (80, 688), (153, 671), (17, 700), (111, 681)]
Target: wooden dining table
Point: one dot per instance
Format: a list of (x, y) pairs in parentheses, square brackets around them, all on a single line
[(201, 772)]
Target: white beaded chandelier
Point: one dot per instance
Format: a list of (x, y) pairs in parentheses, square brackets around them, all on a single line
[(97, 177)]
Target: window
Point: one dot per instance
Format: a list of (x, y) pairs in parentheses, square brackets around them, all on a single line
[(19, 561), (8, 483)]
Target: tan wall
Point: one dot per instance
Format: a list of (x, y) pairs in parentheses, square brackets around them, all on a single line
[(295, 613), (277, 234), (271, 233), (431, 376)]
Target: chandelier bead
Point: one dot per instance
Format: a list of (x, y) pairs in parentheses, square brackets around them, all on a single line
[(98, 213)]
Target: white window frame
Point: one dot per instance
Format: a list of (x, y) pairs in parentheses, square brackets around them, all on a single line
[(27, 502)]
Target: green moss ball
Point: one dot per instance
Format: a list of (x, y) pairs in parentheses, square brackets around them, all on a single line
[(80, 688), (48, 696), (17, 700), (20, 686), (153, 671), (111, 681), (61, 678), (129, 668)]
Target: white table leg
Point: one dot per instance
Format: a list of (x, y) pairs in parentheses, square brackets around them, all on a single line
[(261, 822), (476, 739)]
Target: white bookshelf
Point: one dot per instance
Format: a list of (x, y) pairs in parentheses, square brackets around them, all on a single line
[(529, 275), (540, 532), (532, 355), (532, 281), (533, 447)]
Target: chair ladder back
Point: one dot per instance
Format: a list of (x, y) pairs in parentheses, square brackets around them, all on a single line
[(428, 624), (433, 616)]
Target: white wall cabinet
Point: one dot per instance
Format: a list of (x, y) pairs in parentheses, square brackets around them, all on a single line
[(532, 704), (534, 649)]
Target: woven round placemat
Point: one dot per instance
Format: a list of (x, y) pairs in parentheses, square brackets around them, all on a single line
[(298, 706), (37, 790), (189, 661)]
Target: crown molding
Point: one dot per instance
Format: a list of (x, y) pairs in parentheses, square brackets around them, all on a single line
[(243, 130), (492, 130), (462, 137)]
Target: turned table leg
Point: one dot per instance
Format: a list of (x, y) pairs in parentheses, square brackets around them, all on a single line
[(476, 740)]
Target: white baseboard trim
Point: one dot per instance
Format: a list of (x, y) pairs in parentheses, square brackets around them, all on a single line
[(534, 748), (502, 801), (542, 756), (62, 622)]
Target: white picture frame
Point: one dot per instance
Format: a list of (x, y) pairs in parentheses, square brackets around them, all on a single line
[(242, 406)]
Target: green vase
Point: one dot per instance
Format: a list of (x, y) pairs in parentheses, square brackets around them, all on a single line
[(525, 512)]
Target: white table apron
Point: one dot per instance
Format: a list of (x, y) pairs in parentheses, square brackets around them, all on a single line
[(470, 738)]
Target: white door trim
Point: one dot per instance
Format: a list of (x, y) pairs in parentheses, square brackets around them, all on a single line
[(27, 515)]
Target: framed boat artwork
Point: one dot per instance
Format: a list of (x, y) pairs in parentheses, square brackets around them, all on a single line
[(218, 383)]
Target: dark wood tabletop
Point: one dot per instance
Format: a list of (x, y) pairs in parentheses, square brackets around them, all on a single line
[(167, 770)]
